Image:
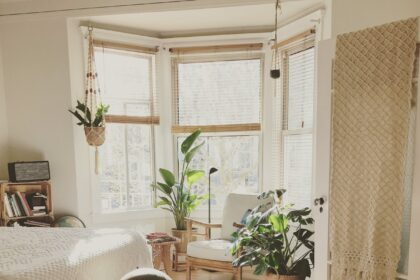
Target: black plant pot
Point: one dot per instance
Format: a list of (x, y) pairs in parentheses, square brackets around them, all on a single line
[(275, 73)]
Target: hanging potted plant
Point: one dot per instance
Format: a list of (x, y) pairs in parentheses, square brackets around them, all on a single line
[(177, 197), (94, 127), (91, 113), (277, 241)]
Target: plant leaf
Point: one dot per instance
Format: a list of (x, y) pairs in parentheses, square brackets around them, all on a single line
[(194, 175), (82, 121), (279, 222), (190, 155), (189, 141), (167, 176), (163, 188)]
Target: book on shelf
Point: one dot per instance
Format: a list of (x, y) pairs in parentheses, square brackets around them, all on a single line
[(16, 206), (38, 213), (22, 199), (20, 204), (9, 210), (31, 223)]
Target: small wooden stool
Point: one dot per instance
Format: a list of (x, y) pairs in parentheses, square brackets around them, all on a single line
[(161, 253)]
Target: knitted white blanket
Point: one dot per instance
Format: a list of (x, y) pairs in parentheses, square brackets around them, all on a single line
[(371, 106)]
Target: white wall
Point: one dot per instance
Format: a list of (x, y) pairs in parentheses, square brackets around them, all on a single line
[(353, 15), (4, 153), (37, 87)]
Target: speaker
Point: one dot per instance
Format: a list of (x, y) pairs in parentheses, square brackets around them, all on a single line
[(29, 171)]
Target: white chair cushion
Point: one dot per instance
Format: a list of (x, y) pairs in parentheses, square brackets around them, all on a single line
[(236, 205), (217, 250)]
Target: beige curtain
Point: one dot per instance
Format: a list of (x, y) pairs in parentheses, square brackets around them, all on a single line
[(371, 112)]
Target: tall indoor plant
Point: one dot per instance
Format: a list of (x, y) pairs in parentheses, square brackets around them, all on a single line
[(177, 197), (276, 241)]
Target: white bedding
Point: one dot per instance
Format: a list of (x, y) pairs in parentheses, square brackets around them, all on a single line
[(69, 253)]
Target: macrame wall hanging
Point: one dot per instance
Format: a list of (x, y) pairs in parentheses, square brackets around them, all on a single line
[(371, 111), (91, 113)]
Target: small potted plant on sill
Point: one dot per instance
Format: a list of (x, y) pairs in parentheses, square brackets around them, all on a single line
[(277, 241), (178, 197)]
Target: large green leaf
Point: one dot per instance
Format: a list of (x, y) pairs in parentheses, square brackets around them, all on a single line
[(190, 155), (189, 141), (303, 234), (279, 222), (194, 175), (164, 201), (163, 188), (167, 176)]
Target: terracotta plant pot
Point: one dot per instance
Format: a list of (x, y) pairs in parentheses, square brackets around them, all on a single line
[(181, 247), (282, 277), (95, 136)]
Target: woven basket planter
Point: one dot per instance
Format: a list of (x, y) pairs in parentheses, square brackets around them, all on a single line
[(282, 277), (95, 136)]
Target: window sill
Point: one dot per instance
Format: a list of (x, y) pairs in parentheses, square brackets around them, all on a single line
[(127, 216)]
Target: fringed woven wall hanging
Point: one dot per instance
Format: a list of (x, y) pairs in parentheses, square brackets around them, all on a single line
[(91, 113), (370, 123)]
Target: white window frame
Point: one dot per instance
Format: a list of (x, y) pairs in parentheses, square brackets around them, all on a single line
[(300, 46), (118, 217)]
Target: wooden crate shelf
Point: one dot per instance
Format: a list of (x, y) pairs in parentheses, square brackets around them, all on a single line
[(43, 187)]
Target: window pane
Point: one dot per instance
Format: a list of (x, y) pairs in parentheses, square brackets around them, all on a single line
[(126, 167), (298, 169), (126, 81), (220, 92), (300, 90), (236, 158)]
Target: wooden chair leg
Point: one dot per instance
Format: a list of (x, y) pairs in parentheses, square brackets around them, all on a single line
[(188, 271), (238, 273)]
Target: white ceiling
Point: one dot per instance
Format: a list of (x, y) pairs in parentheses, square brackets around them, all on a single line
[(239, 19)]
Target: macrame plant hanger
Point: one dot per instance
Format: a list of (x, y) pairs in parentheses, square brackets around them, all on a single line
[(95, 133), (275, 63)]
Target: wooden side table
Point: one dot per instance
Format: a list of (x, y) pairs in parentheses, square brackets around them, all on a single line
[(161, 253)]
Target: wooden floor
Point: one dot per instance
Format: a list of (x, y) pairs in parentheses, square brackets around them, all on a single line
[(205, 275)]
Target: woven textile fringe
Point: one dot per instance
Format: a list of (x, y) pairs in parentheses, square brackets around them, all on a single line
[(370, 122)]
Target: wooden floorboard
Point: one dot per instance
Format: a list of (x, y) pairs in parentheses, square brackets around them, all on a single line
[(205, 275)]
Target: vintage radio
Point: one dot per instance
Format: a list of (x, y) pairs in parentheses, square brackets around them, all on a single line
[(29, 171)]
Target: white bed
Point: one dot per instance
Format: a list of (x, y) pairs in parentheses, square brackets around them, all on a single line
[(69, 253)]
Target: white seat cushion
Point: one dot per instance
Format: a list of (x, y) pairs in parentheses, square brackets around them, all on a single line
[(218, 250)]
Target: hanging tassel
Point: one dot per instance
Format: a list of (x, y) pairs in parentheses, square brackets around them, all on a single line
[(96, 160)]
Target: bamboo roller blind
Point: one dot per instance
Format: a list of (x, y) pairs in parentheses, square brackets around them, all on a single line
[(217, 88), (127, 75)]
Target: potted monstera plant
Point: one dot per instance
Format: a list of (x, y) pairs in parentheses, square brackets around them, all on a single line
[(277, 241), (177, 196)]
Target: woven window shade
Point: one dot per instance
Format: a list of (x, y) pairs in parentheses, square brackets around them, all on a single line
[(293, 121), (128, 77), (217, 92)]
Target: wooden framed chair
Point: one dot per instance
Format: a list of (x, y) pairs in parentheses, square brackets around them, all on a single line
[(214, 254)]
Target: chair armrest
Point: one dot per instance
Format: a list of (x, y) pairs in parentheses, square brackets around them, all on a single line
[(207, 227)]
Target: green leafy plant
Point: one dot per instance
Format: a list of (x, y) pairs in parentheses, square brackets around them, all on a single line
[(177, 197), (276, 241), (84, 115)]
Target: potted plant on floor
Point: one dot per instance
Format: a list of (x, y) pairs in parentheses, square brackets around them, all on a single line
[(277, 241), (177, 196)]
